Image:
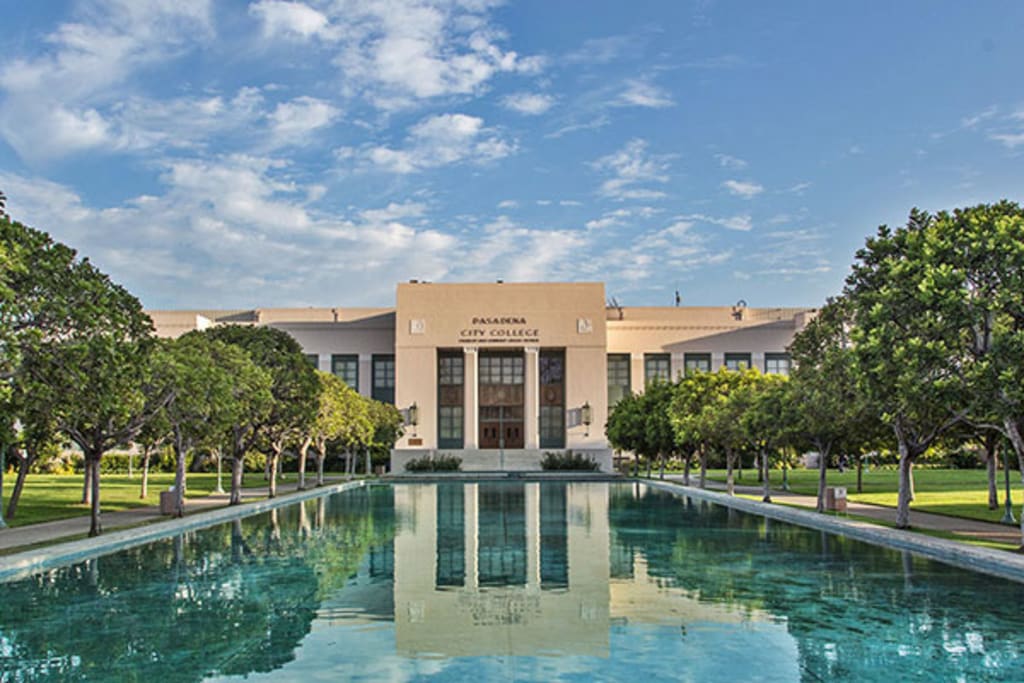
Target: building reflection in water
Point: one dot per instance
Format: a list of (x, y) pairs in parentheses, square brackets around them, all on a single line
[(502, 569)]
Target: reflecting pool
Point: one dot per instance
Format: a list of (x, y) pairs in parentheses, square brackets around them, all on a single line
[(510, 581)]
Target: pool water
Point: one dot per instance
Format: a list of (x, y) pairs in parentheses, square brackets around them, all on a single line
[(510, 581)]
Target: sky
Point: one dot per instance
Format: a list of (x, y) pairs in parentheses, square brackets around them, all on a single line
[(227, 154)]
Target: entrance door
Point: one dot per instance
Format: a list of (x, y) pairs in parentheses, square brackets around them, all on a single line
[(501, 399)]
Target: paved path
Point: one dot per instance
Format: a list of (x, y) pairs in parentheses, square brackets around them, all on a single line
[(47, 532), (1000, 533)]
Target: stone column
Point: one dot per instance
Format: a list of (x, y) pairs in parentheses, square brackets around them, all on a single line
[(470, 408), (531, 397)]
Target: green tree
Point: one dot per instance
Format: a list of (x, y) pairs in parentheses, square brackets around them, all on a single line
[(764, 403), (692, 394), (905, 345), (388, 426), (626, 426), (827, 410), (343, 416), (293, 397), (198, 375)]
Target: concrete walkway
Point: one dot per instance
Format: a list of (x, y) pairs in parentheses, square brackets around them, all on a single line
[(999, 533), (49, 532)]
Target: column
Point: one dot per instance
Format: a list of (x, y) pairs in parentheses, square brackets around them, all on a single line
[(531, 397), (532, 502), (471, 411), (636, 372)]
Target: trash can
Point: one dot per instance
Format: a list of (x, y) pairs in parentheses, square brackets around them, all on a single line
[(835, 498), (168, 501)]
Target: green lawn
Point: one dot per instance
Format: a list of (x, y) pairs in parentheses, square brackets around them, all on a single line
[(958, 493), (54, 496)]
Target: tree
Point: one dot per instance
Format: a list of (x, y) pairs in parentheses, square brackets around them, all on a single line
[(692, 394), (764, 420), (31, 431), (198, 376), (827, 409), (388, 426), (292, 404), (905, 342), (626, 425), (343, 417)]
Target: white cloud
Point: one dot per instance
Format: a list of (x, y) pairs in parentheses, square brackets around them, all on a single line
[(642, 93), (1008, 140), (743, 188), (594, 124), (731, 162), (508, 204), (441, 140), (530, 104), (633, 168), (739, 222), (294, 121), (54, 104), (396, 53), (280, 18)]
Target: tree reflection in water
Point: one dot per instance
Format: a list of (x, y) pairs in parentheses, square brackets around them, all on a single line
[(233, 599)]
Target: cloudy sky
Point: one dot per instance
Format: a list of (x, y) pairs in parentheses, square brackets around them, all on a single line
[(236, 153)]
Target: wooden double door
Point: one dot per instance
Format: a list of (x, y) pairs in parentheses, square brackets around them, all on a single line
[(501, 396)]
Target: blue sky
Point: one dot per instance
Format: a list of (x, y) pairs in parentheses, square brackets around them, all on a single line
[(225, 154)]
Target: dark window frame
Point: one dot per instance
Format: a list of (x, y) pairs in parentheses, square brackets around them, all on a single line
[(337, 358)]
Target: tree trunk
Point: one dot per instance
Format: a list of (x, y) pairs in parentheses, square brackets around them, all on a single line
[(648, 467), (131, 465), (275, 454), (686, 468), (145, 474), (904, 495), (860, 473), (237, 465), (87, 482), (990, 445), (910, 480), (303, 450), (760, 466), (661, 461), (25, 461), (729, 484), (369, 466), (703, 468), (179, 477), (765, 479), (95, 528), (1017, 441), (320, 457), (823, 453)]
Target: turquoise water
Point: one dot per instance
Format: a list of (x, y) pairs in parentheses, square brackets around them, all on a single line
[(510, 581)]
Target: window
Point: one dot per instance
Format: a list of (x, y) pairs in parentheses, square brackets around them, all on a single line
[(383, 389), (776, 363), (618, 377), (657, 366), (313, 359), (697, 362), (737, 361), (346, 366), (552, 398), (450, 380)]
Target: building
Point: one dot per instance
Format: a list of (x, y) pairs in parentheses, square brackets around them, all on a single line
[(500, 373)]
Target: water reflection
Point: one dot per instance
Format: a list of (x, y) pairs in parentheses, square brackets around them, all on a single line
[(509, 581)]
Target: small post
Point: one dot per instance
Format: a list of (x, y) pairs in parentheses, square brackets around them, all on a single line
[(1008, 515), (220, 486)]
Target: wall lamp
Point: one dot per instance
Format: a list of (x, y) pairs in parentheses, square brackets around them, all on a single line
[(414, 417), (585, 416)]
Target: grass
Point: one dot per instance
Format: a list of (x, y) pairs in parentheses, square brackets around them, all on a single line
[(935, 533), (957, 493), (49, 497)]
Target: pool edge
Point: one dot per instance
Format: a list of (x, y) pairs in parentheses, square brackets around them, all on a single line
[(24, 564), (992, 562)]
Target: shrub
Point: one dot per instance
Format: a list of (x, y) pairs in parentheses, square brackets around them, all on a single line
[(439, 463), (568, 461)]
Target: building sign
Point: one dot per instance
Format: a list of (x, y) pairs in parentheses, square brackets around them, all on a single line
[(498, 330)]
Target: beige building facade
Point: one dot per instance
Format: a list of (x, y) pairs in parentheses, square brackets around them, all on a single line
[(501, 373)]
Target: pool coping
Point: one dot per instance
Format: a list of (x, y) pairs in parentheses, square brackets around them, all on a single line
[(998, 563), (24, 564)]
